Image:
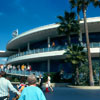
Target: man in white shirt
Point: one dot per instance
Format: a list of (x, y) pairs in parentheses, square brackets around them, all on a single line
[(5, 86)]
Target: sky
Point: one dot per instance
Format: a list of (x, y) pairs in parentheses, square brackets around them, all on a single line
[(28, 14)]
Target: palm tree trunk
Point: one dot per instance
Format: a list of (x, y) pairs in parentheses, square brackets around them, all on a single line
[(79, 30), (88, 49), (99, 76), (77, 76), (69, 40)]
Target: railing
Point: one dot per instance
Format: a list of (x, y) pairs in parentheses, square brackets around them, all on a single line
[(34, 51), (93, 44), (37, 51), (37, 73), (22, 73)]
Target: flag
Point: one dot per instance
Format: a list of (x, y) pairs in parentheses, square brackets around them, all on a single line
[(15, 33)]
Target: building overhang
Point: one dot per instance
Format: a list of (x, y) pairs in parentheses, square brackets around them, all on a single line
[(6, 53), (93, 25), (42, 33), (52, 55), (34, 35)]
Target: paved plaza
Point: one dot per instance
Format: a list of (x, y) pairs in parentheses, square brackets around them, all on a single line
[(64, 93)]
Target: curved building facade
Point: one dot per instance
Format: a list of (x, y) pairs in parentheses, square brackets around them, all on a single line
[(43, 48)]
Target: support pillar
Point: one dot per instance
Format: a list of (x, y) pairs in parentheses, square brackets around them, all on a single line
[(28, 46), (48, 67), (19, 50), (48, 42)]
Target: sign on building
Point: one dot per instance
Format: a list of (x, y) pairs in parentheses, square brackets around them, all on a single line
[(15, 33)]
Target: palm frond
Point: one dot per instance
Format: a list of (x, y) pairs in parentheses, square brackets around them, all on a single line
[(61, 18)]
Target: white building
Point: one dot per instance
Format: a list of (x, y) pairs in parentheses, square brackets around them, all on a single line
[(34, 47)]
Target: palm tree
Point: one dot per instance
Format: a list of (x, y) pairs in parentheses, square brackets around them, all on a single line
[(73, 2), (82, 5), (68, 25), (76, 55)]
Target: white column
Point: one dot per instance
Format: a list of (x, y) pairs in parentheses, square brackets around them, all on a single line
[(80, 38), (27, 63), (28, 46), (19, 50), (48, 67), (48, 42)]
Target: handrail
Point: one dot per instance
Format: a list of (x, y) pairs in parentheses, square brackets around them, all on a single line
[(22, 73), (34, 51)]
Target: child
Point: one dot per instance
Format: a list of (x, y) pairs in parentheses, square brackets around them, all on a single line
[(49, 83), (21, 87), (47, 87)]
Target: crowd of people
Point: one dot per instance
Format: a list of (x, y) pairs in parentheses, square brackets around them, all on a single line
[(20, 69), (34, 88), (10, 67)]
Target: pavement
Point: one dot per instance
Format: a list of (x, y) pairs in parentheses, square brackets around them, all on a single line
[(72, 93), (66, 93), (84, 87)]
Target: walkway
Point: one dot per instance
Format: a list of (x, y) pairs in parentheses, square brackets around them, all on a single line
[(64, 93)]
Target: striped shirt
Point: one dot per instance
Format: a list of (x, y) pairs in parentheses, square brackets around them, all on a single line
[(5, 86)]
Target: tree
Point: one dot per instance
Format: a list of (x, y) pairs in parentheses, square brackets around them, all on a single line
[(73, 2), (68, 25), (76, 56), (82, 5)]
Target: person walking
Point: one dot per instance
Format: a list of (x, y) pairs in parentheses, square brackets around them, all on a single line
[(40, 81), (49, 82), (62, 74), (46, 85), (32, 92), (5, 86)]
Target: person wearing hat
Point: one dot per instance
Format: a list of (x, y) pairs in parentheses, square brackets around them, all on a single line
[(32, 92), (5, 86)]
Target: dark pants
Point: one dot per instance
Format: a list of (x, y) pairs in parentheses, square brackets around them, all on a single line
[(4, 98), (40, 86)]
